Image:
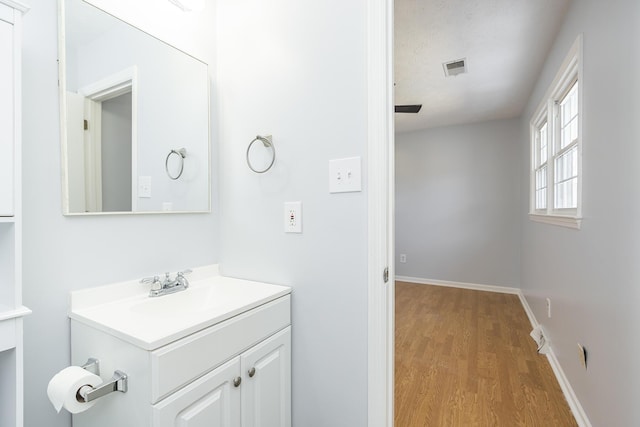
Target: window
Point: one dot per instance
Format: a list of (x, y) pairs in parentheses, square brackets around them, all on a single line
[(556, 148)]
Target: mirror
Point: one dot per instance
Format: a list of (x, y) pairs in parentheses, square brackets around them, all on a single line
[(134, 118)]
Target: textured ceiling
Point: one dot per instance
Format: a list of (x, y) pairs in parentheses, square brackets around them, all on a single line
[(504, 42)]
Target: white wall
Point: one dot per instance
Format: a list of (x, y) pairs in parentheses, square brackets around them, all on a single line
[(592, 276), (457, 203), (297, 70), (62, 254)]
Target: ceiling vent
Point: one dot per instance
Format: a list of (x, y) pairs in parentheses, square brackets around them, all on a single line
[(456, 67)]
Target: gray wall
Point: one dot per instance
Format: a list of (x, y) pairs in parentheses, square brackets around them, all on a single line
[(116, 154), (282, 72), (457, 203), (592, 276), (66, 253)]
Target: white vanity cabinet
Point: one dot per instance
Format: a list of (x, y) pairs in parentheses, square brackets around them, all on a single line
[(11, 309), (253, 389), (236, 372)]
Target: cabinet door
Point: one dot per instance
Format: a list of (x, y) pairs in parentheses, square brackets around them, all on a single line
[(211, 401), (266, 382), (6, 118)]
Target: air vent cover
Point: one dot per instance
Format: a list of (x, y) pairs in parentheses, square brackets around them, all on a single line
[(453, 68)]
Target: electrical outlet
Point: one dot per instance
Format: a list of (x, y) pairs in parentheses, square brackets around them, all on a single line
[(403, 258), (549, 308), (293, 217), (582, 354)]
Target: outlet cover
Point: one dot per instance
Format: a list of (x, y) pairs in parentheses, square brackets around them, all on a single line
[(403, 258), (293, 217)]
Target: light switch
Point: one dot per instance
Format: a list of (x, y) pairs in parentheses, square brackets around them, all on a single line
[(144, 187), (345, 175)]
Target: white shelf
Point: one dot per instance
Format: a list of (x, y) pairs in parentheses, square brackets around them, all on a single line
[(13, 313), (11, 309)]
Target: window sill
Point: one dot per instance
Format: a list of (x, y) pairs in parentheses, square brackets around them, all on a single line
[(560, 220)]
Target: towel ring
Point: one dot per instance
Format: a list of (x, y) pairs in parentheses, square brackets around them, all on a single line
[(182, 153), (267, 141)]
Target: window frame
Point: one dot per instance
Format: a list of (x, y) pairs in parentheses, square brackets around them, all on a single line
[(548, 112)]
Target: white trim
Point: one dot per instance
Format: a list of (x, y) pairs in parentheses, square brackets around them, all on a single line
[(380, 208), (62, 95), (116, 84), (570, 70), (527, 310), (463, 285), (574, 404), (16, 5), (563, 221), (14, 313)]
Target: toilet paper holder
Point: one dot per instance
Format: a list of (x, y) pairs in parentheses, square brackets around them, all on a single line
[(118, 382)]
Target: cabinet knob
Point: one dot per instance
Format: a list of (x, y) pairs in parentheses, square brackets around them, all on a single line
[(252, 372), (237, 381)]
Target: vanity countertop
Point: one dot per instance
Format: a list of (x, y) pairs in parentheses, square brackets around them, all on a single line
[(126, 311)]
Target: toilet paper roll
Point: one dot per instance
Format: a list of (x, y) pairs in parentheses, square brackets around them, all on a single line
[(65, 384)]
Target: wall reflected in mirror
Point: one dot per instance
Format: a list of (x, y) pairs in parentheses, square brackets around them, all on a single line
[(127, 101)]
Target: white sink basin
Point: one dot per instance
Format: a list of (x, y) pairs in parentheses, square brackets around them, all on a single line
[(194, 300), (126, 311)]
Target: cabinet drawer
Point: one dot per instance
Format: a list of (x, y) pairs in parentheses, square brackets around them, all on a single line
[(181, 362)]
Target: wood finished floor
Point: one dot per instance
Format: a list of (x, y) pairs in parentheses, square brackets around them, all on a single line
[(465, 358)]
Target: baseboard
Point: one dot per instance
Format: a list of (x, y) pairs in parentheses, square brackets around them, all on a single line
[(567, 390), (475, 286)]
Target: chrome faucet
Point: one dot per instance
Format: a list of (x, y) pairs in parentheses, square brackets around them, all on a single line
[(168, 285)]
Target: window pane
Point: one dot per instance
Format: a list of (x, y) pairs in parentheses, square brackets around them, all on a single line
[(566, 180), (541, 188), (567, 194), (543, 144), (569, 117), (567, 165), (541, 198)]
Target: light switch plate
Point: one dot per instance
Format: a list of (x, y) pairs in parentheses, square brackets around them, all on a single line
[(293, 217), (144, 187), (345, 175)]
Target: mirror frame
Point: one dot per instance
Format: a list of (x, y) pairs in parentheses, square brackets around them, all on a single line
[(62, 89)]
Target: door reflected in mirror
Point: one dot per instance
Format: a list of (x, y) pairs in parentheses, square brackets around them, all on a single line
[(128, 100)]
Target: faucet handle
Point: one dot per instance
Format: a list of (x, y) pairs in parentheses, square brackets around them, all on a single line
[(148, 280), (181, 279), (154, 281)]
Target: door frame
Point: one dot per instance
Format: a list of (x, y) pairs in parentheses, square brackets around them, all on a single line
[(380, 146), (112, 86)]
